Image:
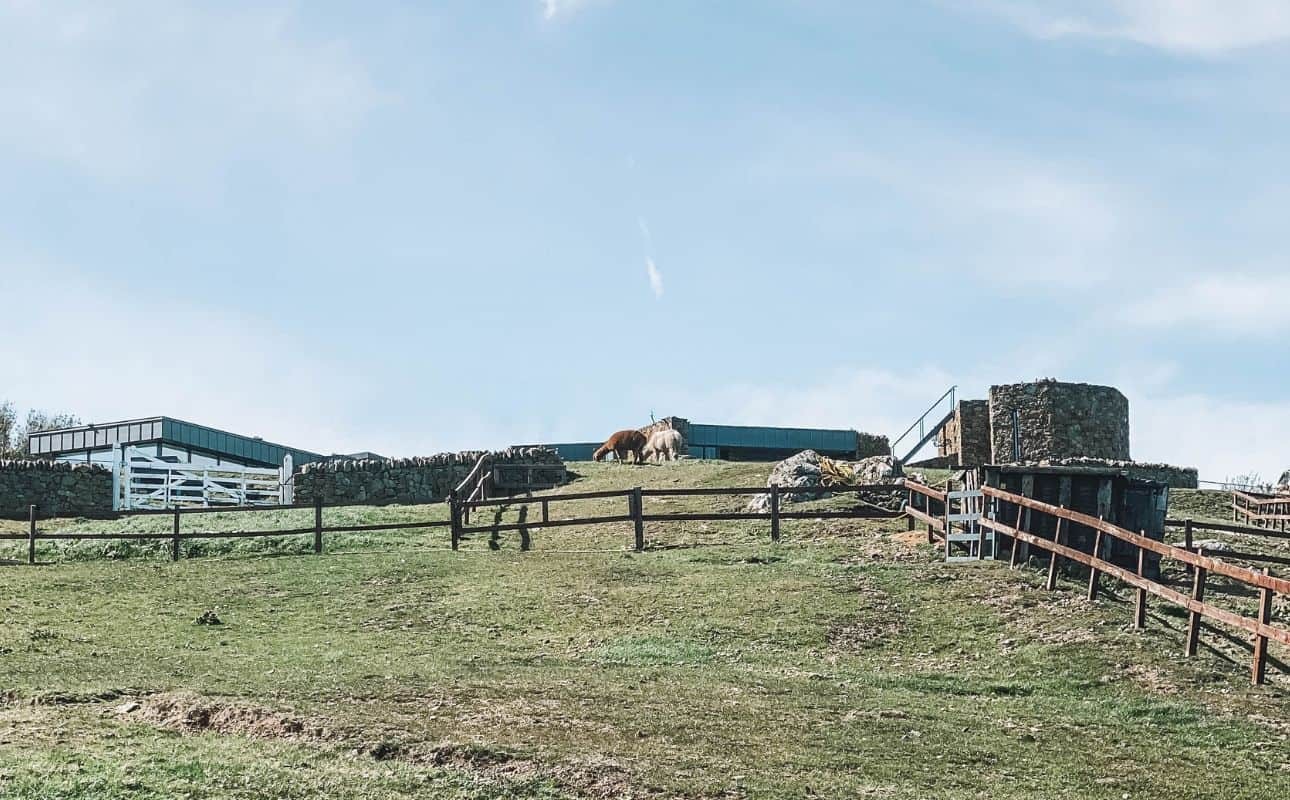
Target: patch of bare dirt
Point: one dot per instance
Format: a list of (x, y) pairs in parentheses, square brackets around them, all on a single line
[(185, 712), (190, 713), (592, 778), (1052, 619), (878, 620)]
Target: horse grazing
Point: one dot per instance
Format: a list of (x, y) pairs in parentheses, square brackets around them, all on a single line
[(665, 444), (622, 443)]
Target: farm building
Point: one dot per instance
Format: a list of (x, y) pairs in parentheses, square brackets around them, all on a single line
[(165, 439), (1113, 494), (752, 442)]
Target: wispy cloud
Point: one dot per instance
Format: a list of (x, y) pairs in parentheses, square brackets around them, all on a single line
[(1208, 27), (1223, 437), (160, 89), (552, 9), (1238, 304), (655, 277), (77, 368), (1021, 219)]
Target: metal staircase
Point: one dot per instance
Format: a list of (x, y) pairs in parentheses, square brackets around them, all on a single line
[(940, 412)]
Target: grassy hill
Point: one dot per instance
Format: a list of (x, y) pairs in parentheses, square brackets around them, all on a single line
[(844, 662)]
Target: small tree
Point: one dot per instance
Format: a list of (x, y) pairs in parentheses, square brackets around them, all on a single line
[(13, 436), (8, 430), (38, 421)]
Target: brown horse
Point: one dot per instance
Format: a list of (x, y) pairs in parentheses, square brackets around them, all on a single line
[(622, 443)]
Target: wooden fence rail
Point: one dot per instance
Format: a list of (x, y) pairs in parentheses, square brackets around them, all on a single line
[(472, 495), (1190, 527), (637, 516), (1259, 626), (1261, 510)]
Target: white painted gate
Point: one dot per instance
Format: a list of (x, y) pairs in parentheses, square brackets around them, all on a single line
[(141, 480)]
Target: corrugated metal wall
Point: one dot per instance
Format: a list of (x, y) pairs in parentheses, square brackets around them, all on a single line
[(718, 437), (230, 444), (576, 451)]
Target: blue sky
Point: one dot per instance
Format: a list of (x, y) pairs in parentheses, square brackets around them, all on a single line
[(360, 226)]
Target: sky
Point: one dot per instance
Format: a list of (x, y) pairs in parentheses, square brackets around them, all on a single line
[(428, 226)]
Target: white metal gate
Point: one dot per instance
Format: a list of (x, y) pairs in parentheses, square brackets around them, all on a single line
[(142, 480)]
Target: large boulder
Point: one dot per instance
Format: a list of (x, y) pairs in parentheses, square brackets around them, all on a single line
[(809, 470), (799, 471), (876, 469)]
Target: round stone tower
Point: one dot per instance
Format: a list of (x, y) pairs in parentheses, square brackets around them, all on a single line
[(1049, 419)]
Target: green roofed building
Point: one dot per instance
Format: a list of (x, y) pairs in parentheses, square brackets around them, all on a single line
[(166, 439)]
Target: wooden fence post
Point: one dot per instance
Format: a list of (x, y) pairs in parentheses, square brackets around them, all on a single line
[(454, 517), (1059, 537), (774, 513), (927, 509), (31, 534), (174, 538), (546, 511), (1258, 671), (1140, 603), (945, 520), (525, 542), (909, 518), (1015, 550), (1187, 541), (1193, 618), (1093, 570), (637, 506), (318, 524)]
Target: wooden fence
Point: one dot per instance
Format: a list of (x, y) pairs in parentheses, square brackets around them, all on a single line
[(1267, 511), (177, 534), (1191, 527), (635, 513), (472, 495), (1259, 625)]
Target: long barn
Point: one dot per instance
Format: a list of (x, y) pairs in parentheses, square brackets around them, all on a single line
[(166, 439)]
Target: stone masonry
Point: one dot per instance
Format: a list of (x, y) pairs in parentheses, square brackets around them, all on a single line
[(55, 487), (965, 439), (1056, 420), (406, 480), (869, 445)]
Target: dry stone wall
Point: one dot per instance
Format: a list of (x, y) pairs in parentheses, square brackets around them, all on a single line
[(405, 480), (965, 439), (1056, 420), (1168, 474), (869, 445), (57, 488)]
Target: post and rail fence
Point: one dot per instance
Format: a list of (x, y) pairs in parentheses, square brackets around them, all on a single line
[(472, 495), (1201, 566), (1265, 511)]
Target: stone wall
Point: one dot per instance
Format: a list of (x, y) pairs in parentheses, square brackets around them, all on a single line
[(965, 439), (1168, 474), (59, 489), (869, 445), (404, 480), (1058, 420)]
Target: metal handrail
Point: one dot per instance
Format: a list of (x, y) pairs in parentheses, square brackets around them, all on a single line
[(920, 423)]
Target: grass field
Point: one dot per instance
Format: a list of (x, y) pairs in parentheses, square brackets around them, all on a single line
[(844, 662)]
